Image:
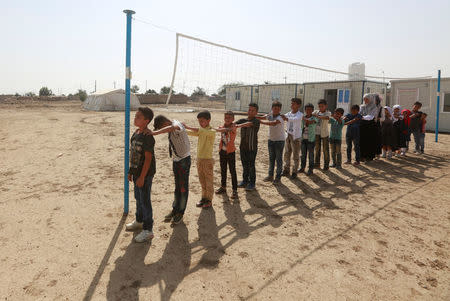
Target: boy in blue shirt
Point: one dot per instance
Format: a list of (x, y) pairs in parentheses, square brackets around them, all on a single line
[(336, 137), (309, 124), (352, 121)]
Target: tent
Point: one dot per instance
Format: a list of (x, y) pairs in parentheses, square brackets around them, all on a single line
[(113, 100)]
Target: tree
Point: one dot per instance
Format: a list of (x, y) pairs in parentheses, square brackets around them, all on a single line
[(222, 89), (44, 91), (81, 94), (134, 88), (151, 92), (166, 90), (198, 92), (30, 94)]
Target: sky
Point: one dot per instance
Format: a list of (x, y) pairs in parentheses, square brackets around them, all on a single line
[(68, 45)]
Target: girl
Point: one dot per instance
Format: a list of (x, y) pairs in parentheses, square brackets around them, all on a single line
[(406, 134), (387, 133), (370, 141), (397, 117)]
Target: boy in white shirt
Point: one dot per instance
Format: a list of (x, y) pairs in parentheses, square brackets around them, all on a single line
[(275, 142), (322, 135), (294, 137)]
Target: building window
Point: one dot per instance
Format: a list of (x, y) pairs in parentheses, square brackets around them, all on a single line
[(446, 107), (237, 95), (256, 90), (275, 95)]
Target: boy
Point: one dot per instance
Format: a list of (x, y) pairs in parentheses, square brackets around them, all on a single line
[(352, 121), (416, 125), (205, 162), (309, 123), (422, 132), (141, 172), (336, 137), (227, 154), (294, 137), (275, 142), (322, 134), (179, 150), (249, 146)]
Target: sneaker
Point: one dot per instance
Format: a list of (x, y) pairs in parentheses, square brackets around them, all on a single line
[(356, 163), (169, 216), (235, 195), (144, 236), (207, 204), (200, 203), (250, 187), (242, 184), (383, 155), (221, 190), (285, 173), (294, 176), (310, 172), (277, 181), (301, 170), (268, 179), (133, 226), (348, 162), (177, 218), (333, 165), (415, 151)]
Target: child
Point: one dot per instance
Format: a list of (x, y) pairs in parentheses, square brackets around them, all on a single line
[(422, 133), (336, 137), (309, 123), (406, 130), (179, 150), (294, 137), (205, 162), (141, 172), (352, 136), (400, 143), (416, 125), (387, 133), (249, 146), (227, 153), (276, 141), (322, 135)]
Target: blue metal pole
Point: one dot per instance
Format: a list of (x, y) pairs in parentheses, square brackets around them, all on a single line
[(438, 105), (127, 112)]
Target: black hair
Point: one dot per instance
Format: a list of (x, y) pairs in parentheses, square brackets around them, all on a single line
[(309, 105), (296, 100), (147, 112), (159, 121), (204, 114), (322, 102), (229, 113), (418, 103), (355, 107), (254, 104), (341, 110), (276, 103)]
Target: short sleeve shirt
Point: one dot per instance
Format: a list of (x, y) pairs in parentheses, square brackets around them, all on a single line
[(140, 144), (322, 125), (294, 124), (276, 132), (354, 127), (180, 147), (249, 135)]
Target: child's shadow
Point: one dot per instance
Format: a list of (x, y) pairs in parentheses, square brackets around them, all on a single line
[(131, 272)]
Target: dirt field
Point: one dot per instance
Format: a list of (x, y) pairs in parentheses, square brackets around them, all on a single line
[(380, 231)]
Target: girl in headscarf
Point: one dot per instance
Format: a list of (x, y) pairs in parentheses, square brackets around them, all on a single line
[(397, 118), (370, 140), (406, 133), (387, 133)]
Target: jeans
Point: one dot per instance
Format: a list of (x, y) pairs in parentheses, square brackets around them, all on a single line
[(230, 160), (355, 139), (144, 212), (275, 154), (335, 145), (248, 166), (322, 142), (422, 142), (307, 149), (417, 134), (292, 146), (181, 171)]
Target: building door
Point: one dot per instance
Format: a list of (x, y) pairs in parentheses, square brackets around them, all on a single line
[(343, 100), (331, 98)]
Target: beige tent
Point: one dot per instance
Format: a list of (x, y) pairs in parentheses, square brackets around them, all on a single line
[(110, 101)]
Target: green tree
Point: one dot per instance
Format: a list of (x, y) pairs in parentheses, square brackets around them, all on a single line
[(166, 90), (222, 89), (151, 92), (134, 88), (44, 91), (82, 94), (198, 92)]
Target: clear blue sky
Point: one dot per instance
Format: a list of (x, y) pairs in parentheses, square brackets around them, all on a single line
[(68, 44)]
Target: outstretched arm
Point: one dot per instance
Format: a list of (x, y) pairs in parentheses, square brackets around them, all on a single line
[(270, 123), (167, 129)]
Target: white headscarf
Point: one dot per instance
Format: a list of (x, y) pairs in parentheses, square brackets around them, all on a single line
[(371, 108), (400, 114), (390, 112)]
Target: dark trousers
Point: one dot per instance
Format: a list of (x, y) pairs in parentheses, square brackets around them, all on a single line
[(275, 154), (230, 160), (355, 140), (144, 212), (248, 165), (335, 145), (181, 170), (417, 139), (307, 150)]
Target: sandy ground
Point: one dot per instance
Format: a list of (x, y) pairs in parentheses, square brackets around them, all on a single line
[(377, 232)]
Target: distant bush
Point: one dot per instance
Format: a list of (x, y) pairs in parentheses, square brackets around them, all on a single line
[(30, 94), (44, 91), (82, 94)]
